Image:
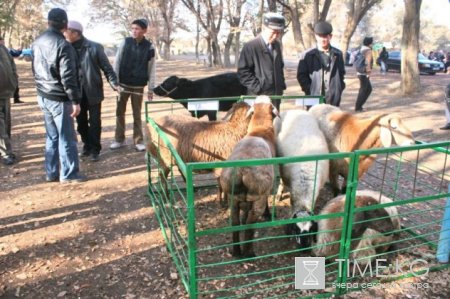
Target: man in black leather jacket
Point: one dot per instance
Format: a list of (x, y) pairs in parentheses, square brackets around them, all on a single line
[(55, 72), (91, 60)]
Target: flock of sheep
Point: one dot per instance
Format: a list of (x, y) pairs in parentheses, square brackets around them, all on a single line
[(260, 132)]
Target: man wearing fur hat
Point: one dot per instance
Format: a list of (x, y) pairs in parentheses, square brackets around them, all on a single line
[(135, 67), (260, 66), (91, 60), (321, 69)]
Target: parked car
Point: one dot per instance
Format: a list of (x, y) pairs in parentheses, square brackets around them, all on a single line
[(425, 65)]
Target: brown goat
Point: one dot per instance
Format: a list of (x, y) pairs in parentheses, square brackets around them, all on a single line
[(345, 132)]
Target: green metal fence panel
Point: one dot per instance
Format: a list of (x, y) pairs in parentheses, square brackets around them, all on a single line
[(197, 229)]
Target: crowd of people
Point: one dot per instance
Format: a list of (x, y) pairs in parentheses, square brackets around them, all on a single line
[(68, 67)]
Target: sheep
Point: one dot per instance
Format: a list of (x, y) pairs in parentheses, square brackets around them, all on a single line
[(375, 234), (345, 133), (249, 187), (298, 134), (196, 140)]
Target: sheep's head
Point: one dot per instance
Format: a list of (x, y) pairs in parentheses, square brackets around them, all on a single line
[(393, 131), (262, 103), (238, 112), (303, 230)]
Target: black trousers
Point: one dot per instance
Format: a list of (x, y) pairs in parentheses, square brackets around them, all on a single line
[(90, 126), (16, 94), (365, 89)]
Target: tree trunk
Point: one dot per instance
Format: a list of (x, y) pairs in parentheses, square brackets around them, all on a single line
[(227, 49), (410, 47), (356, 10), (297, 28), (237, 47)]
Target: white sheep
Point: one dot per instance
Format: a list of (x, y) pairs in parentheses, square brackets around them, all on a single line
[(345, 132), (373, 230), (248, 188), (298, 134), (197, 140)]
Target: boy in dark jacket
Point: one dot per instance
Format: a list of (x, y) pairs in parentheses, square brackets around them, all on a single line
[(321, 69)]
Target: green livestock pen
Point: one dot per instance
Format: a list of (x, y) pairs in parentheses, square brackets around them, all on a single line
[(197, 228)]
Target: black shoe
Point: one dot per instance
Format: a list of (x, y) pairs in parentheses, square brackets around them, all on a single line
[(18, 101), (85, 153), (10, 160), (78, 179), (446, 127), (95, 157), (50, 179), (360, 110)]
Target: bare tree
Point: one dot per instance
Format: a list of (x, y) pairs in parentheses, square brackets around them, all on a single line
[(233, 16), (209, 14), (167, 9), (356, 9), (294, 8), (410, 47)]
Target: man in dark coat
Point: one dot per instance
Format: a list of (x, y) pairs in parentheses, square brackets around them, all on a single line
[(91, 61), (321, 69), (8, 83), (260, 66)]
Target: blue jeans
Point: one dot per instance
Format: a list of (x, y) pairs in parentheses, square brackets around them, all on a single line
[(61, 140)]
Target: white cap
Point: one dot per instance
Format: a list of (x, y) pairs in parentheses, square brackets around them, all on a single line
[(75, 26)]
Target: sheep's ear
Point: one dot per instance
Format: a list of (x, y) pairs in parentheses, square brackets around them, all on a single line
[(275, 111), (250, 112), (385, 136)]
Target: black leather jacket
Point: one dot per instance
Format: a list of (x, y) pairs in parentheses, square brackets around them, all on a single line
[(92, 59), (55, 67)]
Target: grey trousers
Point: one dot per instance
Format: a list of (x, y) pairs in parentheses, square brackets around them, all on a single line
[(136, 105), (5, 128)]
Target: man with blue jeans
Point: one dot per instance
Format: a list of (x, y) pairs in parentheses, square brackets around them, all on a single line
[(55, 72)]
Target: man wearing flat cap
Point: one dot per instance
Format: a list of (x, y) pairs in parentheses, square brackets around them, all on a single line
[(260, 66), (54, 67), (91, 61), (321, 69), (135, 67)]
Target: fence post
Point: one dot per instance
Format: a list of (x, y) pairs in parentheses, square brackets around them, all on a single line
[(443, 250)]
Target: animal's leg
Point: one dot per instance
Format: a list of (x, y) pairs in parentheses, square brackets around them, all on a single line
[(235, 221)]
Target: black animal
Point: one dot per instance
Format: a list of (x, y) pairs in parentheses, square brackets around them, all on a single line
[(219, 86)]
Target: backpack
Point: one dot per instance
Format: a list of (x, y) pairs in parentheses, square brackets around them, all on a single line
[(360, 62)]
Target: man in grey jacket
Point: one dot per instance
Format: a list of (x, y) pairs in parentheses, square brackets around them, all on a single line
[(91, 61), (8, 84), (260, 66), (135, 67), (321, 69)]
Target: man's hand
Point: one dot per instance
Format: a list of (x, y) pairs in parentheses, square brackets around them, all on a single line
[(76, 110)]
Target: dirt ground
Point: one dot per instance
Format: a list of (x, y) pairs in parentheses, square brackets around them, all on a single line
[(100, 239)]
